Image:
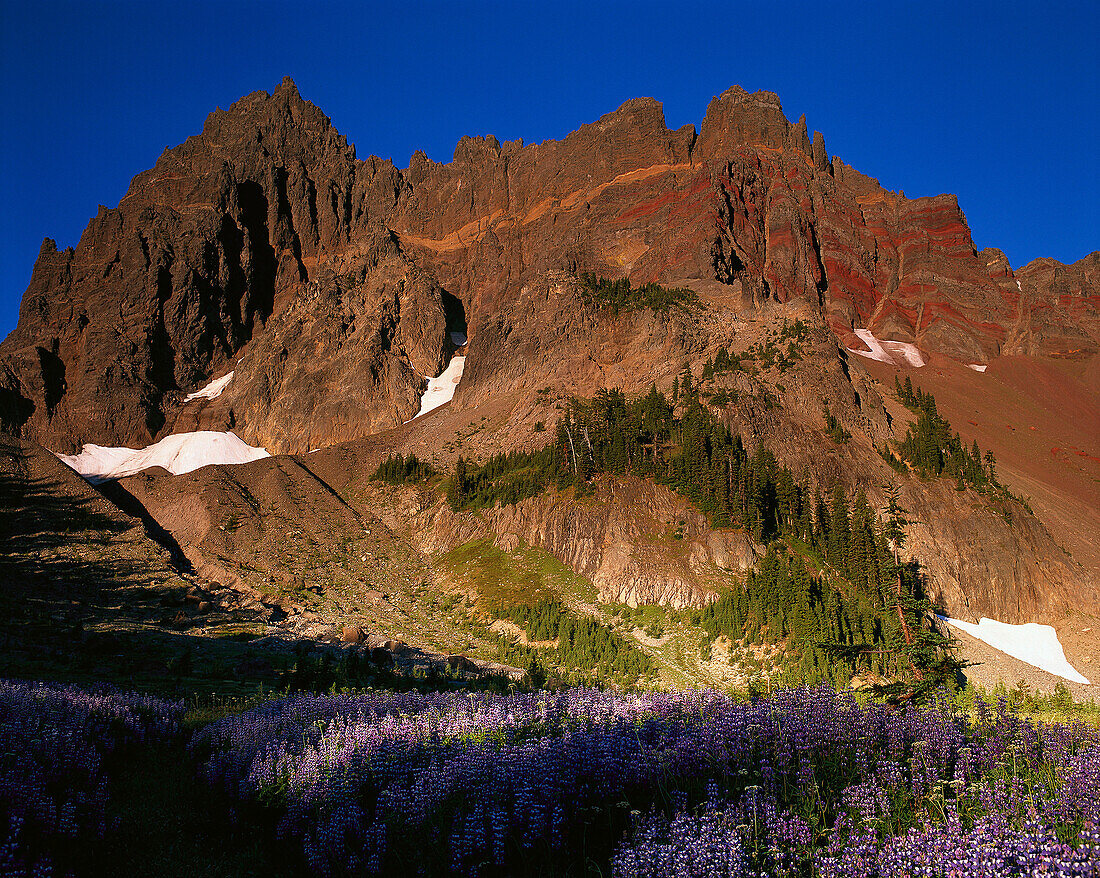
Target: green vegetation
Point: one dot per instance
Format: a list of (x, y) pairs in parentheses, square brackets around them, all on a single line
[(769, 354), (504, 479), (527, 587), (508, 578), (678, 443), (842, 603), (834, 428), (830, 591), (618, 295), (782, 600), (581, 643), (918, 659), (724, 361), (1057, 706), (830, 588), (933, 450), (400, 470)]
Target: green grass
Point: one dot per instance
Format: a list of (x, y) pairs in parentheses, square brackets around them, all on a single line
[(205, 709), (508, 579), (1058, 706), (519, 578)]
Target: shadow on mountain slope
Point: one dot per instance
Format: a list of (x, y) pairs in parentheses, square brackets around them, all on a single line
[(72, 566)]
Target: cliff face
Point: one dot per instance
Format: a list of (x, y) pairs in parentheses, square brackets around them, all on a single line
[(637, 542), (344, 358), (164, 291), (327, 284), (237, 233)]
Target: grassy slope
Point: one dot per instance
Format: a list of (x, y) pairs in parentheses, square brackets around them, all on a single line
[(488, 577)]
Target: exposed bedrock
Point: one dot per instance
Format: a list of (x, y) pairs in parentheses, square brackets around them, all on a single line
[(236, 225), (345, 358), (326, 284), (637, 542)]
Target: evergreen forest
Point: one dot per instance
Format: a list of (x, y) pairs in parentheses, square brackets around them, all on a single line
[(580, 642), (830, 588), (933, 449)]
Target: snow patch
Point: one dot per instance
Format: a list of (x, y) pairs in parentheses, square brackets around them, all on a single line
[(1020, 288), (977, 367), (1038, 645), (212, 390), (896, 353), (179, 453), (441, 389)]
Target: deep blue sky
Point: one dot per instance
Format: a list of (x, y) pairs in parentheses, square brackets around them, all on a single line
[(997, 102)]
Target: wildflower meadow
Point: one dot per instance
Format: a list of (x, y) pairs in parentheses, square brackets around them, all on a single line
[(806, 782)]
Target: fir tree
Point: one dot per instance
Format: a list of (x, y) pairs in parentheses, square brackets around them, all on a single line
[(919, 658)]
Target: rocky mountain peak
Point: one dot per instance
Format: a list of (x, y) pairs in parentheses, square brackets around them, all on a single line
[(737, 118), (476, 150), (213, 244), (644, 115), (261, 106)]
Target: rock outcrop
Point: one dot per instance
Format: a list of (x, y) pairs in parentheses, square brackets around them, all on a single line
[(232, 237), (346, 357), (327, 285), (637, 542), (164, 291)]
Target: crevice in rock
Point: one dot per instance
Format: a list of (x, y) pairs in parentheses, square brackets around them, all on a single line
[(823, 279), (53, 377), (259, 298), (455, 312), (162, 355)]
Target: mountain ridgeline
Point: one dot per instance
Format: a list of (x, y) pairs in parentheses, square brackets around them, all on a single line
[(264, 235), (698, 366)]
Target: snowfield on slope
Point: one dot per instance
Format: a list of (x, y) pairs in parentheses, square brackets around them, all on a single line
[(896, 353), (179, 453), (212, 390), (1038, 645), (442, 389)]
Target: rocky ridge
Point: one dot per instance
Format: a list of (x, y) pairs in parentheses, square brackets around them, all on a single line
[(263, 246), (226, 237)]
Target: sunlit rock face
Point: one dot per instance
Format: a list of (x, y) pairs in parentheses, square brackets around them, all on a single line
[(266, 228), (347, 298)]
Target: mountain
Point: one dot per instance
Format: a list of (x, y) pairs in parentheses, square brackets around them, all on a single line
[(330, 286)]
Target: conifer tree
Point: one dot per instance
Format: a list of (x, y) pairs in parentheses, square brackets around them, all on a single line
[(457, 493), (839, 530), (921, 658)]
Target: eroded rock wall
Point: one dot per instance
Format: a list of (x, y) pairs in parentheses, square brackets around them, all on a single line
[(219, 244)]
